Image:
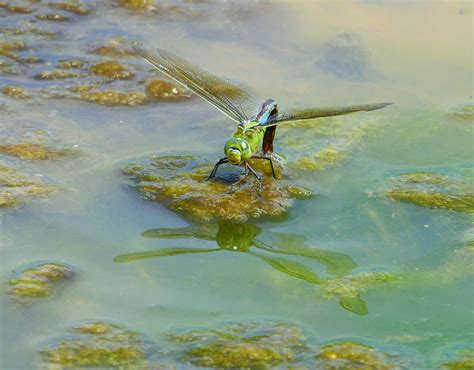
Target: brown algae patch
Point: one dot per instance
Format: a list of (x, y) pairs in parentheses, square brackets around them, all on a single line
[(352, 355), (97, 344), (16, 188), (179, 183), (37, 282), (242, 345), (433, 190), (164, 90), (15, 91), (33, 151), (112, 70)]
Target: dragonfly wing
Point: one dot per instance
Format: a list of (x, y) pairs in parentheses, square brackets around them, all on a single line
[(312, 113), (232, 100)]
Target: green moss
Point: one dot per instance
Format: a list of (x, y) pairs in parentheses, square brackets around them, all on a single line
[(242, 345), (351, 355), (33, 151), (98, 344), (112, 70), (163, 90), (37, 282), (179, 183)]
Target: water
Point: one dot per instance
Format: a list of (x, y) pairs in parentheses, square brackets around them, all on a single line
[(417, 55)]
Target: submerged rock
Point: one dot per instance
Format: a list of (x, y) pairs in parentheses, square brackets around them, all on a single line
[(138, 4), (434, 190), (15, 91), (98, 344), (352, 355), (242, 345), (179, 182), (33, 151), (37, 282), (111, 97), (17, 188)]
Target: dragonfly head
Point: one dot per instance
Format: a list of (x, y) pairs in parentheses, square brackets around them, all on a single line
[(236, 150)]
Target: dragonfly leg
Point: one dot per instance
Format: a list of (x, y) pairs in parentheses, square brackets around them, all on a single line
[(214, 170), (268, 159), (240, 180)]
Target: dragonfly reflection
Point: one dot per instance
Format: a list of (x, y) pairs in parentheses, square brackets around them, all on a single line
[(255, 126), (258, 243)]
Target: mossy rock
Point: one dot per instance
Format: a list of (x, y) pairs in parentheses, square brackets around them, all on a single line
[(179, 183), (434, 190), (242, 345), (98, 344), (53, 16), (56, 75), (75, 7), (352, 355), (15, 91), (112, 97), (38, 281), (112, 70), (138, 4), (33, 151)]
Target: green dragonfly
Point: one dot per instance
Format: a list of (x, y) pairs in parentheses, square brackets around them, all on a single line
[(255, 126)]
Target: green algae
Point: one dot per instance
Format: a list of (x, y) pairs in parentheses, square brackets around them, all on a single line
[(15, 91), (32, 151), (242, 345), (112, 98), (433, 190), (164, 90), (56, 75), (16, 188), (349, 288), (54, 17), (112, 70), (37, 282), (70, 64), (464, 113), (138, 4), (352, 355), (465, 361), (182, 188), (75, 7), (98, 344)]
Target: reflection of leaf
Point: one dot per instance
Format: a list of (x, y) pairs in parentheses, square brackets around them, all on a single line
[(165, 252), (354, 304), (336, 263), (290, 267), (205, 232)]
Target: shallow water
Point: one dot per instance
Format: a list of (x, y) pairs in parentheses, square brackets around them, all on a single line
[(417, 55)]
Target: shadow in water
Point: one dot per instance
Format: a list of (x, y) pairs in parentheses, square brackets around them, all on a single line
[(263, 244)]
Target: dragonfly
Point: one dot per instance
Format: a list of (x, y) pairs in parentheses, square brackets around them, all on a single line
[(256, 124)]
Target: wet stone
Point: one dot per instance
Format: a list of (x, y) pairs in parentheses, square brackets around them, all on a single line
[(434, 190), (37, 282), (179, 182), (98, 345), (242, 345)]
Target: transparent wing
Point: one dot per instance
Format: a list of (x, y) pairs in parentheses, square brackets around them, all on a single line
[(232, 100), (311, 113)]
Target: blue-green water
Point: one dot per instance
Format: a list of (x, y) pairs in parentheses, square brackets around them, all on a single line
[(417, 55)]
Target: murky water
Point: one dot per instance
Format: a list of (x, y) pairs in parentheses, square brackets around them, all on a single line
[(301, 54)]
